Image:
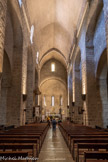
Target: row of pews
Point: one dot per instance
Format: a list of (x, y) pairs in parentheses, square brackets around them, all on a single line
[(23, 143), (3, 127), (86, 144)]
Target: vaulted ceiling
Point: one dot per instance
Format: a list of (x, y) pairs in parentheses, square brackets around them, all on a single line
[(55, 22)]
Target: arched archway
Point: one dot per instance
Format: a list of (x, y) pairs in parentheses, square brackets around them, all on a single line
[(53, 84), (60, 70), (5, 91), (53, 53), (14, 105), (102, 87), (53, 88)]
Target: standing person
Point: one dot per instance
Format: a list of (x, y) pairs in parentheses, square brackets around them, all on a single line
[(54, 126), (48, 121)]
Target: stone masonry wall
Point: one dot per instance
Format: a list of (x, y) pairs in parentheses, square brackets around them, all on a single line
[(3, 7), (78, 90), (60, 71)]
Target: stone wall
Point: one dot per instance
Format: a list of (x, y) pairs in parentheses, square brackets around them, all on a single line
[(3, 7), (99, 40), (18, 65), (92, 42), (16, 44), (53, 84), (56, 88), (78, 90), (60, 71)]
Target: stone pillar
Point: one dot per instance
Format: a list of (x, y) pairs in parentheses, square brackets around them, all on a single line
[(68, 88), (39, 85), (73, 83), (106, 25), (78, 91), (29, 106), (39, 95), (73, 94), (24, 86), (84, 79), (91, 97), (84, 84), (68, 94), (3, 8)]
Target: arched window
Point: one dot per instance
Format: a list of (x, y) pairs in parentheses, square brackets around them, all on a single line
[(52, 67), (44, 100), (20, 2), (52, 101), (37, 57), (31, 34)]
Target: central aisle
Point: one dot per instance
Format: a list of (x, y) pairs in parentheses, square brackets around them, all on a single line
[(54, 149)]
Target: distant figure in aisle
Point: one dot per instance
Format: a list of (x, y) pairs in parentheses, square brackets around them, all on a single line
[(48, 121), (54, 123)]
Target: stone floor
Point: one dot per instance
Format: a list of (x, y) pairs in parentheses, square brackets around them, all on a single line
[(54, 149)]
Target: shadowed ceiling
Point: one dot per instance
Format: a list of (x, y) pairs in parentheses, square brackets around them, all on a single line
[(55, 22)]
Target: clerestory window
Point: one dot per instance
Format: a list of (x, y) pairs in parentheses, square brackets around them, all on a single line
[(20, 2), (53, 67), (52, 101)]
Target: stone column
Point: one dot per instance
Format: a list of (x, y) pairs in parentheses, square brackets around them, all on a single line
[(38, 85), (39, 94), (73, 83), (84, 84), (68, 94), (106, 25), (68, 88), (73, 93), (3, 8), (78, 91), (91, 97)]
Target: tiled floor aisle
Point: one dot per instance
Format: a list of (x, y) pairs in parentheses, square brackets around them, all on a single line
[(54, 149)]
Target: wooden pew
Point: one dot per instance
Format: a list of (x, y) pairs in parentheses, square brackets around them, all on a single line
[(16, 160), (26, 137), (86, 140), (9, 127), (38, 137), (96, 160), (70, 129), (77, 134), (83, 147), (75, 138), (105, 136), (33, 130), (19, 147), (98, 155), (87, 134), (21, 141), (31, 135)]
